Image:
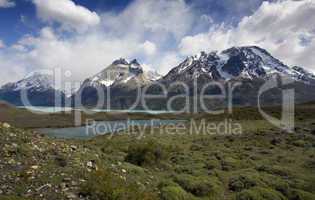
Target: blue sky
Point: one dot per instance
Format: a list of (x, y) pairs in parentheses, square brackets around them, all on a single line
[(84, 36), (21, 18)]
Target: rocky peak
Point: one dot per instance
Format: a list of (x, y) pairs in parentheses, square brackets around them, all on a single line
[(120, 61), (248, 62), (121, 72), (135, 62)]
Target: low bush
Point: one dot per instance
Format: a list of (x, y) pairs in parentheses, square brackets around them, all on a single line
[(149, 153), (275, 170), (61, 160), (301, 195), (212, 164), (299, 143), (104, 185), (245, 180), (174, 193), (12, 198), (277, 183), (229, 164), (259, 193), (200, 186)]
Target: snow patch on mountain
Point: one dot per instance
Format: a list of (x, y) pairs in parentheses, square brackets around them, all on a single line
[(35, 82), (248, 62), (120, 72)]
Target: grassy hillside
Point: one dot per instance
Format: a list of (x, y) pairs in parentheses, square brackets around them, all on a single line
[(263, 163)]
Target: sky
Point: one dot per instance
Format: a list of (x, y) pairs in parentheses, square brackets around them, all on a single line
[(85, 36)]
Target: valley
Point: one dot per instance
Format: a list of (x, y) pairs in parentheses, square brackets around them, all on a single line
[(263, 162)]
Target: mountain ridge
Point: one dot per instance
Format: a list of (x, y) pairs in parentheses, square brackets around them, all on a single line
[(248, 62), (250, 65)]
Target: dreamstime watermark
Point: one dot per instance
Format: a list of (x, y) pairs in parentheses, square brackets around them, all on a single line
[(213, 98)]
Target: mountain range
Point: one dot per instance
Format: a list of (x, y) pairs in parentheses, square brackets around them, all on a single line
[(39, 89), (251, 66)]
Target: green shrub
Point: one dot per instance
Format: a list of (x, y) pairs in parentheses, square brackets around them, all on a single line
[(149, 153), (12, 198), (200, 186), (277, 183), (275, 170), (61, 161), (259, 193), (229, 164), (174, 193), (245, 180), (212, 164), (104, 185), (301, 195), (299, 143)]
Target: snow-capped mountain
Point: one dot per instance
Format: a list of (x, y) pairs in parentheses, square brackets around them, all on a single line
[(39, 88), (34, 82), (122, 73), (122, 77), (250, 65), (248, 62)]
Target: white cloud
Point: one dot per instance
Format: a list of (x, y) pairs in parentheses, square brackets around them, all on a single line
[(285, 28), (2, 45), (139, 31), (216, 39), (169, 60), (7, 3), (147, 29), (83, 54), (10, 69), (67, 13), (155, 19), (149, 48)]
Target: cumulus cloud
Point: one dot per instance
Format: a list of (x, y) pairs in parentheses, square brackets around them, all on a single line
[(83, 54), (169, 60), (10, 69), (67, 13), (155, 19), (139, 31), (148, 48), (158, 33), (2, 45), (285, 28), (7, 3)]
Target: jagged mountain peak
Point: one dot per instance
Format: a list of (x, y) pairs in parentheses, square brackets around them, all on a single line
[(120, 61), (135, 62), (248, 62), (122, 72), (123, 61)]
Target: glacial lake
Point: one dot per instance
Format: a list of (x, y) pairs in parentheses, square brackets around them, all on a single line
[(68, 109), (107, 127)]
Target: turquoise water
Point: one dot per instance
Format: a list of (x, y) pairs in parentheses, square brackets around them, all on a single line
[(106, 127), (68, 109), (47, 109)]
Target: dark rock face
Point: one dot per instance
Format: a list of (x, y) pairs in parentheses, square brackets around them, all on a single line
[(36, 98), (135, 62), (120, 61), (39, 89), (234, 66)]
